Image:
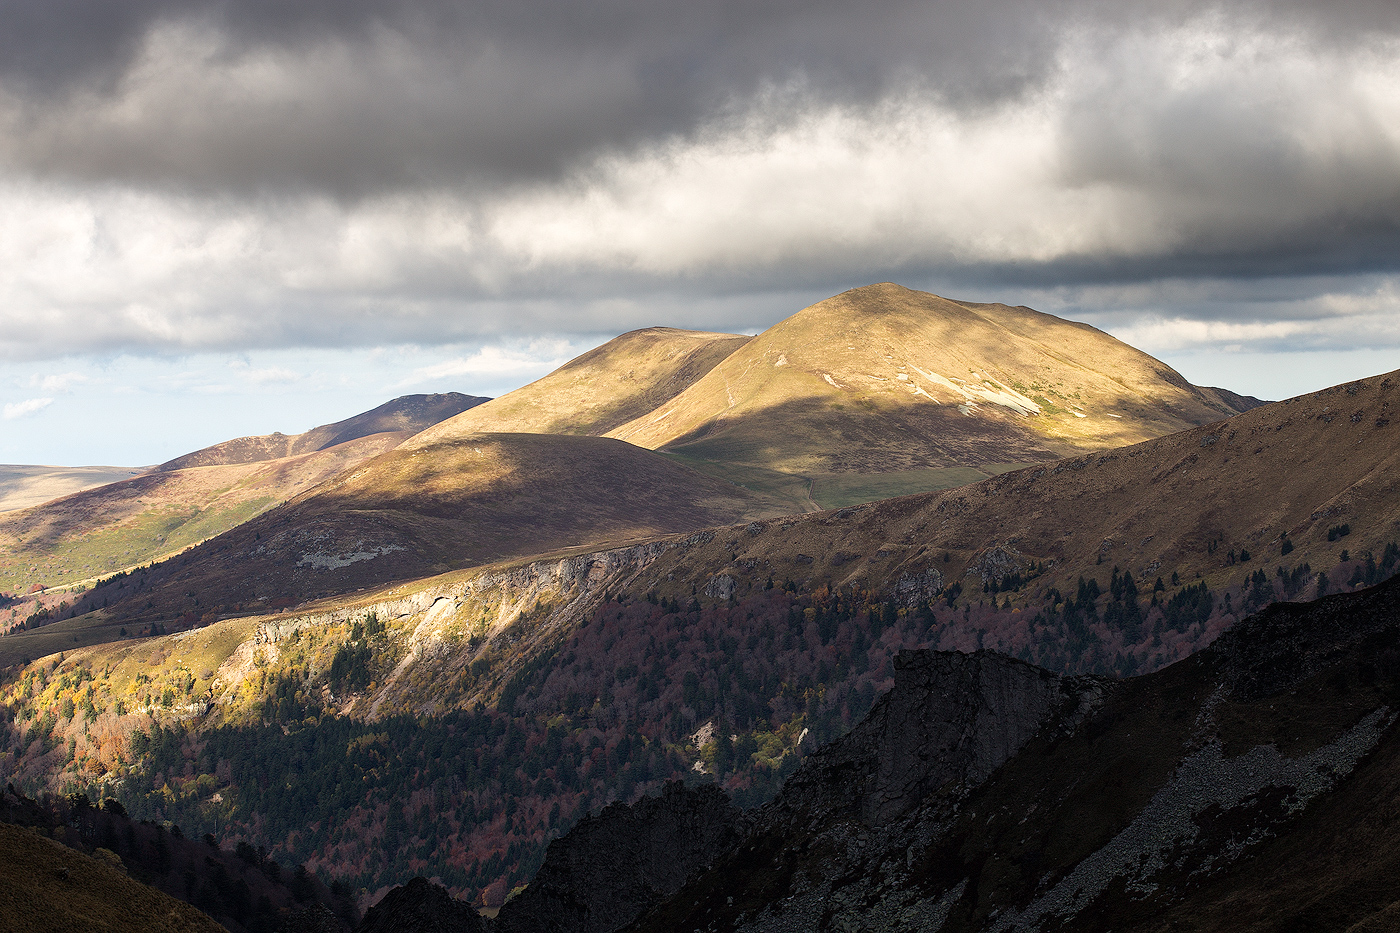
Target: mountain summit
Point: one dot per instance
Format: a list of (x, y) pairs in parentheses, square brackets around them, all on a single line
[(885, 378), (879, 391)]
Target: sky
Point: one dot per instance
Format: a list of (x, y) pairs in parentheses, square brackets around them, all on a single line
[(222, 217)]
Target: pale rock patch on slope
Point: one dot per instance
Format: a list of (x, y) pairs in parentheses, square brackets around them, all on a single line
[(323, 561), (993, 391)]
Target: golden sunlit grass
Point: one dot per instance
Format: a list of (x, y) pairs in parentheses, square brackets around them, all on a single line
[(606, 387), (24, 486)]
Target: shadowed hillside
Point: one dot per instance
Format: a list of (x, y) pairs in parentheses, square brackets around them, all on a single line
[(49, 888), (418, 511), (106, 871), (1251, 787)]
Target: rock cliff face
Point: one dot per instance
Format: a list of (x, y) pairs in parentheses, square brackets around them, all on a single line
[(1252, 786), (949, 722), (833, 850), (420, 907), (613, 866), (529, 605)]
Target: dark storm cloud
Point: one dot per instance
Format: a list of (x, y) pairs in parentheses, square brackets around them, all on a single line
[(354, 97)]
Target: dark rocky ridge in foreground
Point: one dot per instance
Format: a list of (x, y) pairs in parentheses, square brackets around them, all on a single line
[(1136, 805), (951, 719), (1252, 786)]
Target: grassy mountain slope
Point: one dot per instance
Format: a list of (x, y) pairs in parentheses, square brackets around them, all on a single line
[(772, 628), (876, 392), (105, 529), (608, 386), (1309, 482), (870, 394), (1277, 482), (24, 485), (882, 379), (99, 531)]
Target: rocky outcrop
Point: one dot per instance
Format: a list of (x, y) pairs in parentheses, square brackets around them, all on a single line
[(720, 586), (949, 722), (611, 867), (913, 588), (527, 606), (996, 563), (420, 907), (1287, 643)]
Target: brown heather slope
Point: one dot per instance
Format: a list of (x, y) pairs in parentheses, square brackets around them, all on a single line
[(1188, 503), (412, 512), (883, 379), (606, 387), (105, 529)]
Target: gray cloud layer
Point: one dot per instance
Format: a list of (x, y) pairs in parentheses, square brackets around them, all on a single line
[(360, 96), (223, 174), (354, 98)]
